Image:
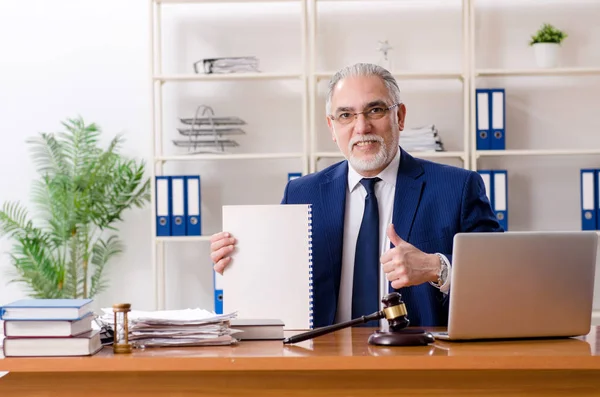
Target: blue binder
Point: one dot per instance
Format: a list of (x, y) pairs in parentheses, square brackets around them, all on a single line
[(589, 199), (163, 206), (193, 209), (597, 199), (500, 197), (294, 175), (218, 288), (178, 205), (482, 118), (486, 176), (498, 118)]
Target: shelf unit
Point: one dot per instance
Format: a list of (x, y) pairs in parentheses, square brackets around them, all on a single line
[(310, 77), (159, 158), (315, 76), (517, 72)]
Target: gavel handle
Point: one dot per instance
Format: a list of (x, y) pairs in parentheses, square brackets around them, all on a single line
[(331, 328)]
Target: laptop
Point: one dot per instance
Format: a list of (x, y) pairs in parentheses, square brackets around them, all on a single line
[(521, 285)]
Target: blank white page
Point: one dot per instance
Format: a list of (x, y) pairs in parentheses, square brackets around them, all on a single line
[(270, 275)]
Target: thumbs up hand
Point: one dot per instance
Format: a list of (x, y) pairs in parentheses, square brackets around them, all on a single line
[(405, 265)]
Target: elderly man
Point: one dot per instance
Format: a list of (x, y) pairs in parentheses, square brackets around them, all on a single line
[(380, 210)]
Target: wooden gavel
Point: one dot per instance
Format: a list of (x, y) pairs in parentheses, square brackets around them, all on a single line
[(394, 312)]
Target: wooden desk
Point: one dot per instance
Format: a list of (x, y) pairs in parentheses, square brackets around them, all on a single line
[(339, 364)]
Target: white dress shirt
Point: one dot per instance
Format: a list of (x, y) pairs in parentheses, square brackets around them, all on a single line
[(355, 205)]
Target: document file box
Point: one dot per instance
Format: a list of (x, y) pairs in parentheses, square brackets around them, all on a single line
[(218, 287), (193, 216), (178, 205), (486, 175), (498, 119), (482, 118), (163, 206), (294, 175), (589, 199), (500, 202), (496, 188)]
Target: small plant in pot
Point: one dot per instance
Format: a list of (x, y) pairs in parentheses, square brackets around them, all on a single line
[(546, 44)]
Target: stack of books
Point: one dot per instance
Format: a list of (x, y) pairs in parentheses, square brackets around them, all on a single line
[(49, 327)]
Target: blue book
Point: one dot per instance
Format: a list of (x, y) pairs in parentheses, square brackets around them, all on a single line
[(46, 309)]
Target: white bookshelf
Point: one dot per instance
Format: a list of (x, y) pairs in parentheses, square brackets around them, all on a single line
[(462, 75), (477, 73), (536, 79), (467, 75), (160, 78)]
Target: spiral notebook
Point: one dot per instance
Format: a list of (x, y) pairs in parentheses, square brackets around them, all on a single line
[(270, 275)]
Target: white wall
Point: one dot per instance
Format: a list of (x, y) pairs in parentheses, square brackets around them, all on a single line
[(64, 58)]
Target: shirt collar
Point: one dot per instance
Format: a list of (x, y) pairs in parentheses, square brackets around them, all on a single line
[(388, 174)]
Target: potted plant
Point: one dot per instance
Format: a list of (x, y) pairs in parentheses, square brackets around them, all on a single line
[(546, 44), (82, 192)]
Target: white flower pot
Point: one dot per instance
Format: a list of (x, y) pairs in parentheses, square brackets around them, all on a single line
[(546, 54)]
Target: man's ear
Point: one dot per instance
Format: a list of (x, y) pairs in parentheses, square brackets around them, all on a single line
[(401, 116), (331, 128)]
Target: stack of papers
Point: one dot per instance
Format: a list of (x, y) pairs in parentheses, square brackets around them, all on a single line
[(187, 327), (421, 139), (228, 65)]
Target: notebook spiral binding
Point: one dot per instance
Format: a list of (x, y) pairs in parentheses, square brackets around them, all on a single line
[(310, 269)]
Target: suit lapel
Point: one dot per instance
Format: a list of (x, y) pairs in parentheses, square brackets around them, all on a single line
[(333, 197), (407, 195)]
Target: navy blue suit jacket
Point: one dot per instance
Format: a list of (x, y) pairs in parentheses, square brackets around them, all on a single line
[(432, 203)]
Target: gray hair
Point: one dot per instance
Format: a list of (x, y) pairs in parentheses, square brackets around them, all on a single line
[(364, 69)]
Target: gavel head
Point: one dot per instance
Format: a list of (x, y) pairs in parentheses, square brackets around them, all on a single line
[(395, 311)]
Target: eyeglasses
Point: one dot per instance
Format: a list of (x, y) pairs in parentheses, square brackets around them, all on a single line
[(372, 113)]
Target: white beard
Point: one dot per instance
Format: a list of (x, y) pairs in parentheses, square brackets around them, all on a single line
[(378, 161)]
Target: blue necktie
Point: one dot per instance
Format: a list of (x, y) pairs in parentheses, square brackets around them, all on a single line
[(365, 292)]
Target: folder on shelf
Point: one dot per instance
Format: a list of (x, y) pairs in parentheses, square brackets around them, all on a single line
[(496, 189), (486, 176), (498, 119), (294, 175), (597, 198), (218, 288), (163, 206), (589, 199), (500, 194), (178, 205), (193, 216), (482, 118)]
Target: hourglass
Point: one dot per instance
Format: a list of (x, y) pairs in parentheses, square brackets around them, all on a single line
[(121, 343)]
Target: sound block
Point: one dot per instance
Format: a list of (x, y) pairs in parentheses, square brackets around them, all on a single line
[(405, 337)]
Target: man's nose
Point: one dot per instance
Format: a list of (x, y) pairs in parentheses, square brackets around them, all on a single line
[(362, 125)]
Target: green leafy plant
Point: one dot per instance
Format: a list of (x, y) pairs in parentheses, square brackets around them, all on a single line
[(548, 34), (81, 194)]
